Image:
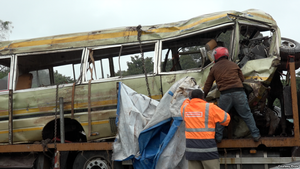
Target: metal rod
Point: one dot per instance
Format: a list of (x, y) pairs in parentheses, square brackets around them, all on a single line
[(74, 73), (120, 60), (62, 120), (111, 67), (101, 69), (10, 121)]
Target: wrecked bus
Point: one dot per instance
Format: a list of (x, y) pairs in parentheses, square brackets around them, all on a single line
[(83, 69)]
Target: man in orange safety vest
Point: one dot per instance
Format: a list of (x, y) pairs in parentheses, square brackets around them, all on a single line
[(200, 119)]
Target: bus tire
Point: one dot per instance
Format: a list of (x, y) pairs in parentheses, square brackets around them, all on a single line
[(93, 159)]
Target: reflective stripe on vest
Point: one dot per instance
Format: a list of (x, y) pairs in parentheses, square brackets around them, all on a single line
[(205, 122), (183, 111), (225, 118), (201, 150)]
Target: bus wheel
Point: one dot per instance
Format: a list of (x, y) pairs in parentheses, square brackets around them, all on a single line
[(92, 160)]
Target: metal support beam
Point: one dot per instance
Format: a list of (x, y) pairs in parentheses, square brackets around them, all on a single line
[(10, 117), (62, 120), (258, 160), (60, 147)]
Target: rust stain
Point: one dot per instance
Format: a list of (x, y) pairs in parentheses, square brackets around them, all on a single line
[(172, 80), (232, 161)]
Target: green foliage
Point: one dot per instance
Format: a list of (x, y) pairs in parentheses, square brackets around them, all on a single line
[(4, 72), (225, 37), (192, 60), (61, 79), (277, 103), (187, 62), (136, 66), (168, 65), (124, 73), (5, 28)]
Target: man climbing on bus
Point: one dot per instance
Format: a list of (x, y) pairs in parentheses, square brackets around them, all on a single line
[(200, 120), (229, 79)]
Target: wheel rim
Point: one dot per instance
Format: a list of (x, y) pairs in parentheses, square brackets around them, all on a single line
[(96, 163)]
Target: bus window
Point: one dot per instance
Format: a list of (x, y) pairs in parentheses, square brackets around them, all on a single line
[(193, 52), (254, 44), (66, 73), (107, 63), (4, 74), (133, 64), (40, 78), (50, 68), (181, 58)]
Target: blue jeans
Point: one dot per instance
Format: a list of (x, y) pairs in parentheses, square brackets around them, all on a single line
[(239, 101)]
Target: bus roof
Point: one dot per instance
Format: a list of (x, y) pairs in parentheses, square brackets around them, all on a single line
[(130, 34)]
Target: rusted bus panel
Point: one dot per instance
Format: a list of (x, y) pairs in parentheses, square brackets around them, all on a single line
[(100, 123), (37, 102), (102, 94), (28, 130), (140, 86), (4, 99), (169, 79), (25, 130), (260, 69), (43, 100)]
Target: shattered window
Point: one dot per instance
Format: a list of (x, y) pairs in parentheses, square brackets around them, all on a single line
[(133, 64), (4, 74), (224, 39), (193, 52), (181, 59), (66, 73), (40, 78), (109, 64), (254, 44), (47, 69), (100, 71)]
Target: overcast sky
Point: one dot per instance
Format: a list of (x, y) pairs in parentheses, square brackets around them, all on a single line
[(37, 18)]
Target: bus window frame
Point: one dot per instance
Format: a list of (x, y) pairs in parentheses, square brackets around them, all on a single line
[(183, 36), (156, 51), (14, 78), (10, 74)]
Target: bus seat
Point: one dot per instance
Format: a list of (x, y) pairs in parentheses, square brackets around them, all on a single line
[(24, 81), (210, 45)]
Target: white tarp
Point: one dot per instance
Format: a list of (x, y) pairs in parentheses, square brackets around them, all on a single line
[(152, 132)]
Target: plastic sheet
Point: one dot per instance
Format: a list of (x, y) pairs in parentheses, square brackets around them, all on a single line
[(151, 133)]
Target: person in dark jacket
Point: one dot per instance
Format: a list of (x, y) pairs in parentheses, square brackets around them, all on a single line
[(200, 120), (229, 79)]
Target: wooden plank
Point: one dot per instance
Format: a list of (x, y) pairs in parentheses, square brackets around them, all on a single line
[(60, 147), (84, 146), (294, 95), (267, 141)]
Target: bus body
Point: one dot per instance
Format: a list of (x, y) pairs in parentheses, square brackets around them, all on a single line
[(84, 68)]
